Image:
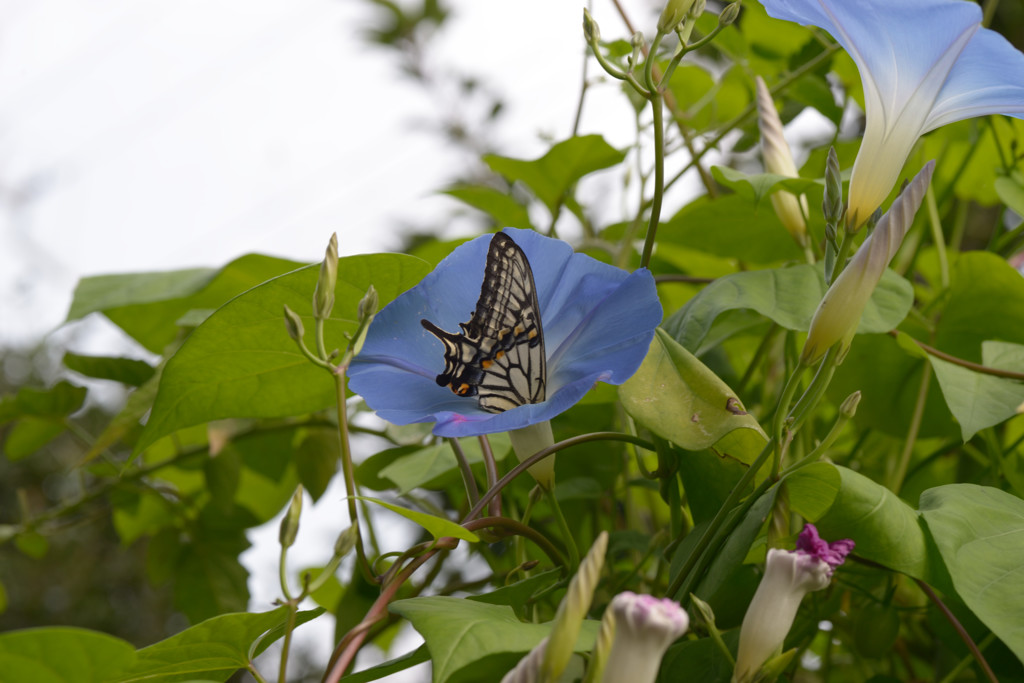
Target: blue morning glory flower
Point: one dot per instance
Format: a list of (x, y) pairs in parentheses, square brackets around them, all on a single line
[(924, 63), (598, 322)]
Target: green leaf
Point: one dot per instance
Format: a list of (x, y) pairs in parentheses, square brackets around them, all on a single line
[(208, 577), (29, 434), (731, 227), (698, 660), (330, 593), (125, 370), (788, 296), (885, 529), (59, 401), (437, 526), (889, 380), (678, 398), (148, 306), (980, 400), (757, 186), (214, 649), (472, 641), (241, 361), (986, 301), (33, 544), (316, 460), (812, 490), (1010, 189), (518, 594), (62, 655), (552, 176), (267, 478), (501, 207), (406, 661), (979, 531)]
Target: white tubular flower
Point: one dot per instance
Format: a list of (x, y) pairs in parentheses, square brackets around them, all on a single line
[(839, 312), (644, 628), (923, 63), (788, 577), (778, 159)]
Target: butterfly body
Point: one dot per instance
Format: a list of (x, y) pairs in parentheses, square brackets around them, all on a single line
[(499, 355)]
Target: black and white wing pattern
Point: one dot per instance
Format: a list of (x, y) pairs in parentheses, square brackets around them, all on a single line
[(499, 356)]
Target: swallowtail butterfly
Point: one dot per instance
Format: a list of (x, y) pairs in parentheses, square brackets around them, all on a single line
[(499, 356)]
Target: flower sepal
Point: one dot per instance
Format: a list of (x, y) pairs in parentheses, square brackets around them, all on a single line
[(774, 667)]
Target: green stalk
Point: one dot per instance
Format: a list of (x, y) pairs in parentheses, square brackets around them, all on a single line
[(915, 426), (348, 470), (659, 175), (290, 626), (937, 237), (472, 492), (570, 541), (719, 519), (781, 413)]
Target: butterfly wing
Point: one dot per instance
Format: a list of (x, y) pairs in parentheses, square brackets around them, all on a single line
[(499, 355)]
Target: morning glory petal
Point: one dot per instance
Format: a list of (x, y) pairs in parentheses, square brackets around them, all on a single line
[(598, 322), (975, 88), (923, 63)]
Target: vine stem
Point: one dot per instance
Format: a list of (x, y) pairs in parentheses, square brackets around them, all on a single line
[(349, 470), (961, 631), (345, 652), (657, 109), (292, 609), (550, 450), (977, 367)]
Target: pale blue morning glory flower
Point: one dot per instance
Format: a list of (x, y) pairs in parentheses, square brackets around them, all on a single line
[(598, 322), (924, 63)]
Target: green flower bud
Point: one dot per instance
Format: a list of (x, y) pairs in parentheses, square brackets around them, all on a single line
[(729, 14), (573, 609), (290, 521), (323, 295), (346, 541), (591, 31), (840, 310), (293, 323), (849, 407), (673, 14), (368, 304), (832, 201)]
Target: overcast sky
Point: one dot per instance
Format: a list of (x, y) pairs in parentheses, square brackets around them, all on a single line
[(149, 134)]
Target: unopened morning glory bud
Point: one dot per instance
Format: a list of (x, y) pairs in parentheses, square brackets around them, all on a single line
[(293, 323), (779, 160), (323, 295), (644, 628), (840, 310), (729, 14), (673, 14), (548, 660), (290, 522), (591, 31), (788, 577), (849, 407), (832, 201)]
